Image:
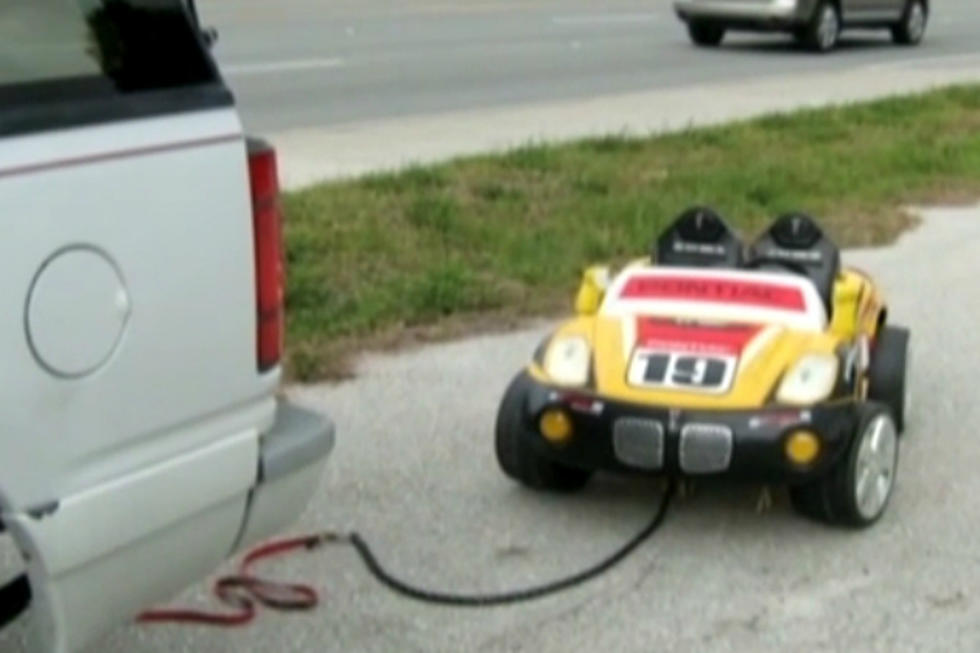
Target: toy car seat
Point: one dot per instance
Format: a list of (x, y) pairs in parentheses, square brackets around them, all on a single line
[(699, 237), (795, 242)]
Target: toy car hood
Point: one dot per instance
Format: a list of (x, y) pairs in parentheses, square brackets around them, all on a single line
[(692, 337)]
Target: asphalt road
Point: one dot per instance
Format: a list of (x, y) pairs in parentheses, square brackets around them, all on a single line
[(309, 63), (414, 471)]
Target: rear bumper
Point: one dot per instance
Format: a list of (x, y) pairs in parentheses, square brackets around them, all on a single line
[(173, 521), (298, 438), (292, 455), (759, 14), (745, 444)]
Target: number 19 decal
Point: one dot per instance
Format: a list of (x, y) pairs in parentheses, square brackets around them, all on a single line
[(682, 371)]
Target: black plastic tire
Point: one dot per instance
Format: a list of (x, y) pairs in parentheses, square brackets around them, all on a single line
[(814, 36), (833, 499), (888, 372), (912, 28), (705, 34), (515, 454)]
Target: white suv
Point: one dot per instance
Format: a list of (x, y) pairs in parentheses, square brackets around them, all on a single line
[(142, 439)]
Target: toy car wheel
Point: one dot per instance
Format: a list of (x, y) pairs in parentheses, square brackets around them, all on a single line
[(912, 28), (705, 34), (863, 483), (517, 457), (888, 382), (823, 30), (857, 491)]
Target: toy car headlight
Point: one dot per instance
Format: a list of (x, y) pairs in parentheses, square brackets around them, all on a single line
[(567, 361), (812, 379)]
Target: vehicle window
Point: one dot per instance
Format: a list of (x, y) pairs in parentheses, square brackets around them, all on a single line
[(66, 52), (43, 40)]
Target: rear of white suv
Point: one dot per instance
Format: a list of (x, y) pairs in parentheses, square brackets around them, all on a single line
[(142, 441)]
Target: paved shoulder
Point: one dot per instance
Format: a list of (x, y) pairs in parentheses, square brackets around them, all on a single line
[(414, 471)]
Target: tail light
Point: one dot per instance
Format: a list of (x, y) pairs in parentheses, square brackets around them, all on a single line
[(269, 272)]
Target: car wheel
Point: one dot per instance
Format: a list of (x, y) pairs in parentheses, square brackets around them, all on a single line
[(706, 34), (823, 31), (912, 28), (888, 373), (858, 489), (515, 454)]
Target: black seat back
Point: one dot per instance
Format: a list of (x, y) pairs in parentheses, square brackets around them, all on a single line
[(796, 242), (699, 237)]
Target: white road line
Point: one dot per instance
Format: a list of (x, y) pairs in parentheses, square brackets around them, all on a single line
[(267, 67), (599, 19)]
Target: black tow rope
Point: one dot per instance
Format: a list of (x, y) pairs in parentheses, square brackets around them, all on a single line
[(253, 590), (516, 596)]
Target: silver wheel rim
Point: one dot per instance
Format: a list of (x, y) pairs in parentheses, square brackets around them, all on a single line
[(916, 23), (875, 470), (828, 28)]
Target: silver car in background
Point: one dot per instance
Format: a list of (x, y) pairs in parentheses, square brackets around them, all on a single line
[(814, 23)]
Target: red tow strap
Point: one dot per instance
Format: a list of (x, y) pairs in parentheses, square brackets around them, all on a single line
[(244, 591)]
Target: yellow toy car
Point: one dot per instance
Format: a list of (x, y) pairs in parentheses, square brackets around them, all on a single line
[(771, 362)]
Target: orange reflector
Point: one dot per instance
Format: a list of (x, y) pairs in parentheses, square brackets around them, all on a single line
[(556, 426), (802, 447)]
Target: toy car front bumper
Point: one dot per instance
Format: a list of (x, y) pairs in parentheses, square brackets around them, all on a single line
[(747, 444)]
